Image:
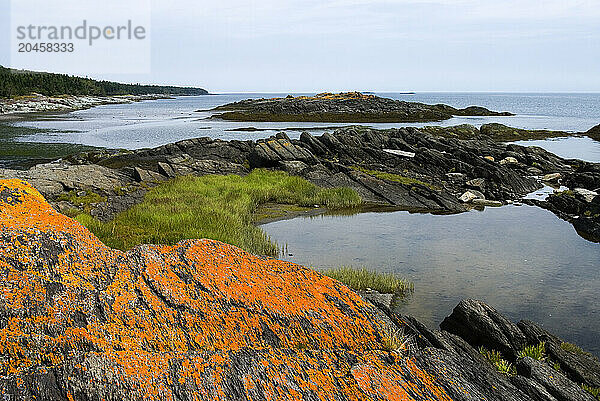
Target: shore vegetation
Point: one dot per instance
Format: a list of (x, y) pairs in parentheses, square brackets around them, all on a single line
[(219, 207)]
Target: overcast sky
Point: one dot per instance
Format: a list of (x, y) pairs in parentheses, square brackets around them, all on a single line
[(377, 45)]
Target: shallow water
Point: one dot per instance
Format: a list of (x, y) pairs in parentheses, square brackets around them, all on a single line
[(523, 260), (155, 123), (583, 148)]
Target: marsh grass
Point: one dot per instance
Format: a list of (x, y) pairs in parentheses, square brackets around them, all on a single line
[(361, 279), (215, 207)]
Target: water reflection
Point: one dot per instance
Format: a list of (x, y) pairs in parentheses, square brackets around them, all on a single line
[(521, 259)]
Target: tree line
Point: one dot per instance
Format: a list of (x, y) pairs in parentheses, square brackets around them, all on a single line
[(19, 82)]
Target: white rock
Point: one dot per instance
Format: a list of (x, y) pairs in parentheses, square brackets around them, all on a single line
[(586, 193), (551, 177), (471, 195), (485, 202), (509, 160), (399, 152)]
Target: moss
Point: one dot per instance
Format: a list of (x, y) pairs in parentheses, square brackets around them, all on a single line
[(362, 279), (568, 193), (574, 349), (85, 201), (214, 207), (396, 178)]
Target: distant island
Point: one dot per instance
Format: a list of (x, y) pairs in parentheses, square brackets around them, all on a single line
[(14, 83), (350, 107)]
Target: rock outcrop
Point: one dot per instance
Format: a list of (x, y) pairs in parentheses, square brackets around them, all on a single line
[(203, 320), (343, 107), (200, 320), (38, 103), (408, 168)]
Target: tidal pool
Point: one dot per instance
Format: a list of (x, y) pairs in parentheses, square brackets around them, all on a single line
[(522, 260)]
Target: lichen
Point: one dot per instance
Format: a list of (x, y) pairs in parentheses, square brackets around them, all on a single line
[(164, 320)]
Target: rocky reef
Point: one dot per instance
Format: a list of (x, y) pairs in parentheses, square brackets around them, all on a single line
[(39, 103), (409, 168), (343, 107), (203, 320)]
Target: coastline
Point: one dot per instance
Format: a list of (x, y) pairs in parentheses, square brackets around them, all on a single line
[(15, 109)]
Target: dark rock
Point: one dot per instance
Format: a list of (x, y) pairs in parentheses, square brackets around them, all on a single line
[(555, 383), (533, 389), (343, 107), (481, 325), (580, 367)]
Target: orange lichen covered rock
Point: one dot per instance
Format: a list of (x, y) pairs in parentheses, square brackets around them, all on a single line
[(200, 320)]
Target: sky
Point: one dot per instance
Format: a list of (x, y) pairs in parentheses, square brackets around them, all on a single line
[(378, 45)]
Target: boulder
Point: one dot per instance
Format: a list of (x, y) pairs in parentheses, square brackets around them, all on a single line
[(509, 160), (471, 195), (586, 194), (552, 177), (481, 325), (142, 175)]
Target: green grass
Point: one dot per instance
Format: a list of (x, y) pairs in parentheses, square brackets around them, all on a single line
[(495, 358), (395, 178), (394, 340), (215, 207), (537, 352), (361, 279), (594, 391)]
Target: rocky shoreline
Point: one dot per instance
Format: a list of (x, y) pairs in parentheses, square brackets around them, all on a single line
[(351, 107), (408, 168), (37, 103), (205, 320)]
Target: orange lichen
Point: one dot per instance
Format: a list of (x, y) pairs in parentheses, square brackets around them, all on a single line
[(160, 318)]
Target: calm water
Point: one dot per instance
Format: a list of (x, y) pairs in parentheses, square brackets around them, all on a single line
[(523, 260), (154, 123)]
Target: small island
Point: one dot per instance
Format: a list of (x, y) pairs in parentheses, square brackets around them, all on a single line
[(350, 107)]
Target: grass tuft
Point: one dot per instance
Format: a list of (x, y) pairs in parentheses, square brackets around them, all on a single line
[(361, 279), (394, 340), (85, 201), (495, 358), (593, 391), (537, 352), (214, 207)]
